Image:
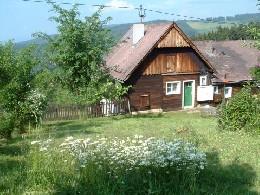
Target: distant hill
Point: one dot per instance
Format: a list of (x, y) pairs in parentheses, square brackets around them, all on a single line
[(189, 27)]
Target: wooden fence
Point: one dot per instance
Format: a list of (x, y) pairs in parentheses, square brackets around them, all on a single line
[(73, 112)]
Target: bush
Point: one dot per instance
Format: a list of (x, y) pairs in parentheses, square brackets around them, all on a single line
[(7, 124), (241, 112)]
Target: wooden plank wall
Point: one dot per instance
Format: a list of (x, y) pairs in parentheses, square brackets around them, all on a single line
[(173, 39), (172, 61), (174, 101), (142, 86)]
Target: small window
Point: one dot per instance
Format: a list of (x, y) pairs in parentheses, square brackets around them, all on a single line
[(203, 80), (228, 92), (215, 89), (173, 87)]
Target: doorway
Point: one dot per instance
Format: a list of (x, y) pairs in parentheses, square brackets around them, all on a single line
[(188, 94)]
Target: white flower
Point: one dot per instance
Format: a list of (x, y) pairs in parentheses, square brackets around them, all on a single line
[(69, 138), (35, 142), (42, 149)]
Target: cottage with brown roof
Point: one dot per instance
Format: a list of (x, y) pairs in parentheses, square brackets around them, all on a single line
[(232, 60), (164, 68)]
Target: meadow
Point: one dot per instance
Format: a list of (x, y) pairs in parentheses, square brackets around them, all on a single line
[(205, 27), (35, 164)]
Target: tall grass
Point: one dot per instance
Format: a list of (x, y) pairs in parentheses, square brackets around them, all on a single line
[(232, 159)]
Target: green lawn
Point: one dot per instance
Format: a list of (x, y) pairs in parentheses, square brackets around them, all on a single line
[(233, 157)]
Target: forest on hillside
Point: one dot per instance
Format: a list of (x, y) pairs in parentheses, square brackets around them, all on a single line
[(230, 26), (236, 32)]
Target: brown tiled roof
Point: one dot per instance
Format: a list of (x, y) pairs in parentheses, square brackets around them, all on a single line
[(126, 56), (233, 58)]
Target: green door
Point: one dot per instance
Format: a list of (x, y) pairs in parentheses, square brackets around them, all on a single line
[(188, 93)]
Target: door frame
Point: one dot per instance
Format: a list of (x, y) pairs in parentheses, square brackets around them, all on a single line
[(192, 93)]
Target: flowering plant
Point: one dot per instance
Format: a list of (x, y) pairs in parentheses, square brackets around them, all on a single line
[(114, 154)]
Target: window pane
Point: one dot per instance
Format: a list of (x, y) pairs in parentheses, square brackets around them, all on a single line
[(226, 90), (174, 87)]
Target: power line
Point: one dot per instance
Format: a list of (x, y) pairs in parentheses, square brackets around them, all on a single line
[(142, 11)]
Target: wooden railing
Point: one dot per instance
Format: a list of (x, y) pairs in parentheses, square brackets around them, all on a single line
[(73, 112)]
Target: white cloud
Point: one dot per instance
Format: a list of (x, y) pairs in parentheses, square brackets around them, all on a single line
[(116, 4)]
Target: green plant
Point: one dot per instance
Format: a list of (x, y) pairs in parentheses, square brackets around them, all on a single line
[(78, 52), (255, 72), (7, 124), (129, 165), (240, 111)]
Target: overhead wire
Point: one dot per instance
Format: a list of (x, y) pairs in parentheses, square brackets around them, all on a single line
[(137, 8)]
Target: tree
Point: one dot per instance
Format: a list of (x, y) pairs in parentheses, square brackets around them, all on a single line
[(78, 51), (255, 31), (20, 100)]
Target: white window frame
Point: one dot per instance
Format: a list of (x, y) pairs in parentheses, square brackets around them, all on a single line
[(177, 91), (205, 81), (229, 94), (215, 89)]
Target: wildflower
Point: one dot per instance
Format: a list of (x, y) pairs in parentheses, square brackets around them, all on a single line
[(42, 149), (69, 138), (35, 142)]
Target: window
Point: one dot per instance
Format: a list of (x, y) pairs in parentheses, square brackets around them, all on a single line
[(173, 87), (215, 89), (228, 92), (203, 80)]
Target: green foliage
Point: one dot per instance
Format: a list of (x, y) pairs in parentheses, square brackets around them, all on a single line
[(255, 72), (7, 124), (255, 32), (18, 85), (78, 52), (241, 112), (239, 32)]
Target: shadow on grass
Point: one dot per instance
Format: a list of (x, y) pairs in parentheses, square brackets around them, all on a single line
[(59, 129), (12, 165), (234, 178), (139, 116)]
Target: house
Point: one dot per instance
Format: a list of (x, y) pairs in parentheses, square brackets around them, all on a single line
[(163, 67), (232, 60)]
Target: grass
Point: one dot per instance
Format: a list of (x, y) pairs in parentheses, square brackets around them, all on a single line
[(233, 157), (204, 27)]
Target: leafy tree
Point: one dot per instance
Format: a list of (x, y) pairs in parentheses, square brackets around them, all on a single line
[(78, 52), (255, 31), (18, 88)]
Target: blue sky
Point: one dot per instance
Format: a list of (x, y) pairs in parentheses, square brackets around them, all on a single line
[(19, 19)]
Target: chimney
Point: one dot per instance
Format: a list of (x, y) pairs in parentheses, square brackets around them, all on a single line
[(138, 32)]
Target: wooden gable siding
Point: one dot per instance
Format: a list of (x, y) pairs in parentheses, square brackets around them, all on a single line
[(173, 39), (146, 89), (174, 101), (174, 60)]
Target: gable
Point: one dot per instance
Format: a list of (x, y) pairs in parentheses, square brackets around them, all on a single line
[(126, 56), (165, 61), (173, 39)]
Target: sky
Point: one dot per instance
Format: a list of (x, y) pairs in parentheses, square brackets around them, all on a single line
[(19, 19)]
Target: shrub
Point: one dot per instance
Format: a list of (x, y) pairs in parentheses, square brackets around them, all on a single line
[(7, 124), (240, 112)]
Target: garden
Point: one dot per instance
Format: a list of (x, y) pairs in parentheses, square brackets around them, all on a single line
[(167, 153)]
